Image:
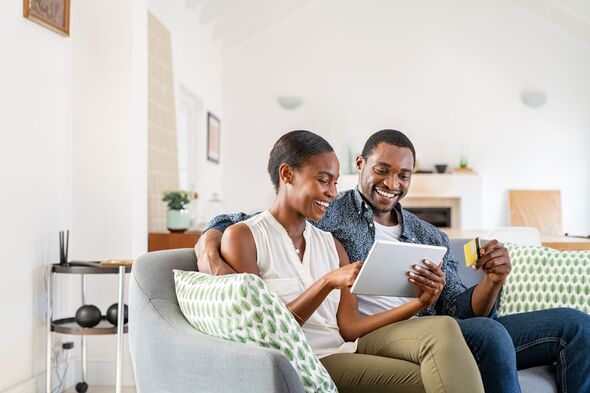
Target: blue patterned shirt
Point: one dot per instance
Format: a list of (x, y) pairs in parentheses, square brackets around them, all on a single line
[(350, 219)]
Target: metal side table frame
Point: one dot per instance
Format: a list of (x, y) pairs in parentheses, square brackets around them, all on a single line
[(69, 326)]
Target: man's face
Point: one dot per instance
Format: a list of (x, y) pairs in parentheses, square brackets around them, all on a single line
[(385, 176)]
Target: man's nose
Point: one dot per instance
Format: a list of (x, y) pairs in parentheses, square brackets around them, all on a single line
[(391, 182)]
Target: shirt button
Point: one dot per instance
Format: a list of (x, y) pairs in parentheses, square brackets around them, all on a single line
[(366, 206), (359, 212), (371, 225)]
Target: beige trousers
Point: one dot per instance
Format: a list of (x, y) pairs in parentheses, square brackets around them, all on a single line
[(426, 354)]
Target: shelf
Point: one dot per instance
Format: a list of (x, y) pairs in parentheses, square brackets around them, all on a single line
[(169, 241), (69, 326), (73, 269)]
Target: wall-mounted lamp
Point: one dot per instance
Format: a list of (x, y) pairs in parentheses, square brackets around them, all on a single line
[(290, 102), (533, 99)]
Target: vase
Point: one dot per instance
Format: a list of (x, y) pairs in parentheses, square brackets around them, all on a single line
[(177, 220)]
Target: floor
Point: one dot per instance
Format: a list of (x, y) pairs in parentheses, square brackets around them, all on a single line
[(104, 389)]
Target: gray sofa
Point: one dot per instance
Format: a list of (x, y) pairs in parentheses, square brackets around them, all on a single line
[(168, 355)]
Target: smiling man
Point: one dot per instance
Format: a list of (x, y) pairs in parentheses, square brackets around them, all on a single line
[(373, 211)]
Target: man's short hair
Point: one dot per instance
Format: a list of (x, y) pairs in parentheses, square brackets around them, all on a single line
[(393, 137)]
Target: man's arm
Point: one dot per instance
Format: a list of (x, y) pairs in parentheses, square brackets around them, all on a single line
[(207, 248), (479, 300), (495, 263)]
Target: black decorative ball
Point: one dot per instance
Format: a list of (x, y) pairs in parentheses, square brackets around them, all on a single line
[(88, 316), (113, 314), (81, 387)]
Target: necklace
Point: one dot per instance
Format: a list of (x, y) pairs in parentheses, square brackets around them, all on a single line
[(297, 248)]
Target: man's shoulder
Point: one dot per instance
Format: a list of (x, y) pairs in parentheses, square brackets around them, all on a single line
[(337, 212), (423, 232)]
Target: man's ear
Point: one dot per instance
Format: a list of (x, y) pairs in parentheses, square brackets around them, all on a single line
[(285, 173), (360, 162)]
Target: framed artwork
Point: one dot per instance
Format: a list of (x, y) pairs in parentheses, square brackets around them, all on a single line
[(53, 14), (213, 137)]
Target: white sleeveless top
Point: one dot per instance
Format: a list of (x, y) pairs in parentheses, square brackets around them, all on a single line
[(288, 276)]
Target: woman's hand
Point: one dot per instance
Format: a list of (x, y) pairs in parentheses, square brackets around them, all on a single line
[(430, 279), (343, 277)]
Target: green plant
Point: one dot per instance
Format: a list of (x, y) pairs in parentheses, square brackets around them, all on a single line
[(176, 199)]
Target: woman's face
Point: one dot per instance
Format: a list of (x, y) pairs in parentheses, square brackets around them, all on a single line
[(314, 185)]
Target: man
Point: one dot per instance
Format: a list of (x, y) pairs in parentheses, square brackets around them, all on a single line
[(500, 345)]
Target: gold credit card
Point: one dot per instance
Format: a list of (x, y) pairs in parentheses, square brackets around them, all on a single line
[(471, 251)]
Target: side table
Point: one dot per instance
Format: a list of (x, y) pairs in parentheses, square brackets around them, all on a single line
[(171, 240), (69, 325)]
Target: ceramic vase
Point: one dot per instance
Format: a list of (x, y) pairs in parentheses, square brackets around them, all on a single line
[(177, 220)]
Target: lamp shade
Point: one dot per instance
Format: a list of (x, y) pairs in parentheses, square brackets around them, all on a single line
[(290, 102)]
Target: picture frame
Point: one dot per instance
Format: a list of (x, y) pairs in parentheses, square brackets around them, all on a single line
[(52, 14), (213, 138)]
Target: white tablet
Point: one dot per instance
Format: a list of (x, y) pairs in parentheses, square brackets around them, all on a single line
[(385, 271)]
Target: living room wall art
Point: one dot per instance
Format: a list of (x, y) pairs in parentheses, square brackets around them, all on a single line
[(53, 14), (213, 137)]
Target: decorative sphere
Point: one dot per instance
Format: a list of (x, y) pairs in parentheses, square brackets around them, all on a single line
[(113, 314), (88, 316), (81, 387)]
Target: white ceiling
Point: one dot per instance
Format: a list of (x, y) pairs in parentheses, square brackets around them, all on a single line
[(235, 21)]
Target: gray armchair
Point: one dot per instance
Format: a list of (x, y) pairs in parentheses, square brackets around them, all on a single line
[(169, 355)]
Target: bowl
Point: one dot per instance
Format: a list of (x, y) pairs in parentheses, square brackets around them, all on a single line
[(441, 168)]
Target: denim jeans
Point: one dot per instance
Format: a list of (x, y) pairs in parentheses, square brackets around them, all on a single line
[(559, 336)]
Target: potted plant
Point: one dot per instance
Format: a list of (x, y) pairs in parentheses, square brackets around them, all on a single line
[(177, 217)]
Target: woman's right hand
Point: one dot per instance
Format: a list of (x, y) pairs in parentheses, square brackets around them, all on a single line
[(344, 277)]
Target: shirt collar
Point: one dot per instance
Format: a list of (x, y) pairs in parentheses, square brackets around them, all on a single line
[(362, 206)]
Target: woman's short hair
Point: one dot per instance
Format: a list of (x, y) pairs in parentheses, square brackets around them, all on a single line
[(294, 149)]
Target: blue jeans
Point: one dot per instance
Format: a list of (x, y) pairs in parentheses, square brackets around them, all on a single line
[(514, 342)]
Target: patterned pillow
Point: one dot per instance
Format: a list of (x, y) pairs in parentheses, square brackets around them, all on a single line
[(544, 278), (241, 308)]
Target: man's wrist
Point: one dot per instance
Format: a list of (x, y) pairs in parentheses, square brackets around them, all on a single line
[(489, 283)]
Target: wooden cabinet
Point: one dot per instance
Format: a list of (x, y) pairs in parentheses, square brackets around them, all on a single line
[(168, 240)]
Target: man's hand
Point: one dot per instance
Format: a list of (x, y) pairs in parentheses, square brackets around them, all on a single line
[(208, 258), (343, 277), (495, 262), (430, 279)]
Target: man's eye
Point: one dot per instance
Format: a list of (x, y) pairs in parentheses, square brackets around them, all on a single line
[(380, 171), (323, 181), (405, 177)]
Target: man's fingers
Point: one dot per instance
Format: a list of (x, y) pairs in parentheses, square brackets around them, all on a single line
[(423, 272), (490, 246), (493, 254), (436, 268)]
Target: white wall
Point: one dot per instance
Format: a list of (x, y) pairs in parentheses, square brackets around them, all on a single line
[(72, 155), (35, 184), (109, 152), (445, 73), (197, 64)]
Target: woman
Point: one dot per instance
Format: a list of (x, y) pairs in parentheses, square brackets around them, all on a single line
[(311, 273)]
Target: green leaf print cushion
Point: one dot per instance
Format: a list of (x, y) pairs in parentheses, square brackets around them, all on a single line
[(544, 278), (241, 308)]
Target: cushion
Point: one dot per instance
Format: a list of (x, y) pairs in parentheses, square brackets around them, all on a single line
[(241, 308), (544, 278)]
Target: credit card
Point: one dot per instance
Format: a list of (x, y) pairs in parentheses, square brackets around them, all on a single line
[(471, 250)]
